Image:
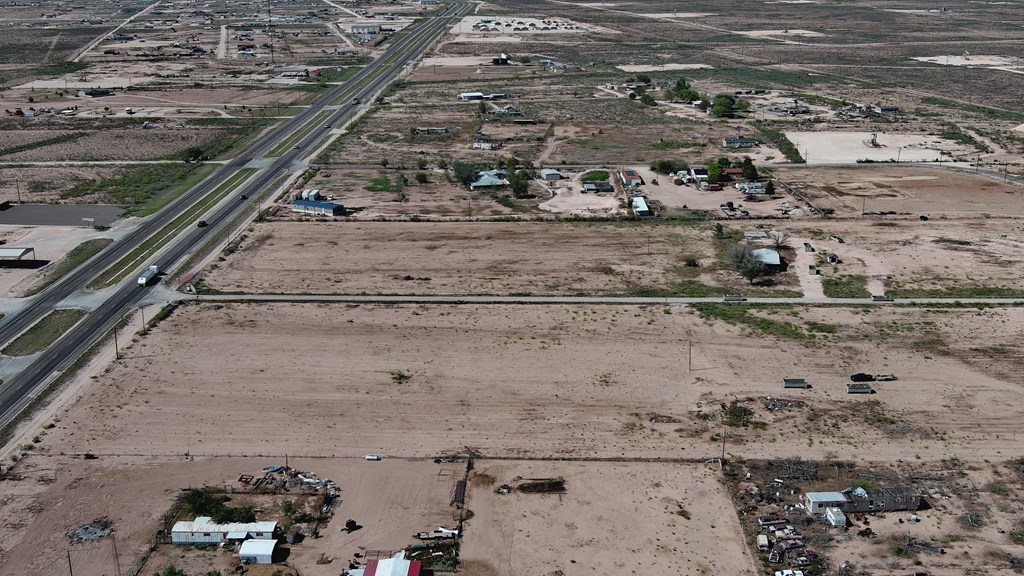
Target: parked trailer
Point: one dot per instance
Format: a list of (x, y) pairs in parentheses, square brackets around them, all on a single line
[(149, 275)]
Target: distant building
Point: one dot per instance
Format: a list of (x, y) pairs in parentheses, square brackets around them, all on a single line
[(490, 179), (366, 28), (699, 173), (203, 530), (317, 208), (859, 500), (769, 257), (397, 565), (640, 207), (740, 142), (257, 551), (886, 109), (550, 175), (630, 177), (471, 95), (501, 60)]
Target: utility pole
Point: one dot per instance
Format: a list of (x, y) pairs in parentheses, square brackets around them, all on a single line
[(70, 569), (142, 313), (17, 185), (117, 356)]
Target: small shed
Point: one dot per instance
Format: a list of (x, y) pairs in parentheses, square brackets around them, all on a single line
[(835, 517), (859, 388), (630, 177), (818, 503), (550, 175), (257, 551), (795, 383), (640, 207)]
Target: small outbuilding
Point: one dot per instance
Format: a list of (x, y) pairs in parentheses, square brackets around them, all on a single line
[(397, 565), (640, 207), (630, 177), (257, 551), (800, 383), (818, 503), (550, 175), (740, 142), (769, 257)]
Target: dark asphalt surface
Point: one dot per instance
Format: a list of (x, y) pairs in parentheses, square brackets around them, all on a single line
[(60, 215), (18, 391)]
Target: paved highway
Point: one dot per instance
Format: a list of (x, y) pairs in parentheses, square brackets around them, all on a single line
[(19, 390)]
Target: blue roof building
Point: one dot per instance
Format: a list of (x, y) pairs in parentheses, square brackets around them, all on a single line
[(318, 208)]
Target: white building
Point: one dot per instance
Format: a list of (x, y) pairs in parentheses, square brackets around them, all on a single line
[(397, 565), (257, 551), (835, 517), (203, 530), (818, 503)]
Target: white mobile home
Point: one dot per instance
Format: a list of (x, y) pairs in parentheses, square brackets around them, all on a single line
[(203, 530)]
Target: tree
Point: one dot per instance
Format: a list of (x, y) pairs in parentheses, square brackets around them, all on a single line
[(171, 570), (648, 100), (744, 262), (632, 95), (715, 172), (519, 182), (643, 78), (722, 105), (464, 172), (779, 239), (749, 170), (421, 178), (421, 163), (719, 230), (668, 166), (482, 108), (769, 188), (384, 162)]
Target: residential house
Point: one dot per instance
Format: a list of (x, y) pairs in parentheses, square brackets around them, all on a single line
[(740, 142), (860, 500), (630, 177), (550, 175), (490, 179), (769, 257)]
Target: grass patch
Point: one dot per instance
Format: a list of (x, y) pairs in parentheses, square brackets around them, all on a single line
[(145, 189), (782, 142), (60, 139), (740, 315), (380, 184), (595, 176), (983, 110), (73, 259), (44, 332), (59, 68), (958, 292), (846, 286), (676, 144)]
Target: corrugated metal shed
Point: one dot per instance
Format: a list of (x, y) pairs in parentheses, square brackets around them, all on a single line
[(203, 530), (257, 551)]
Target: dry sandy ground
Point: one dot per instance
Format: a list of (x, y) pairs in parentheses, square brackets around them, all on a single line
[(659, 67), (50, 242), (849, 147), (390, 499), (915, 191), (596, 526), (453, 258), (535, 380)]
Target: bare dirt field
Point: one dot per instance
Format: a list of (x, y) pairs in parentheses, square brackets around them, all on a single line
[(391, 500), (584, 382), (848, 147), (913, 191), (473, 258), (688, 526)]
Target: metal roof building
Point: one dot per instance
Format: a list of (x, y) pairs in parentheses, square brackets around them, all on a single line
[(397, 565), (319, 208), (16, 253), (550, 174), (203, 530), (257, 551), (768, 256), (819, 502)]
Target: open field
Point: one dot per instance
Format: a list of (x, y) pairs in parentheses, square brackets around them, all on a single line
[(687, 527), (476, 258), (580, 387)]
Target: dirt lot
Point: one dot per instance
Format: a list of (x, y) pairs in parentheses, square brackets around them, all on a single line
[(913, 191), (687, 528), (474, 258), (579, 386), (390, 499)]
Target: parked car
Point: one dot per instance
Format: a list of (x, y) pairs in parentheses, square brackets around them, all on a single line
[(862, 377)]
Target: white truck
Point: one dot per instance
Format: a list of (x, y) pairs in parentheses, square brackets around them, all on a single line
[(148, 275)]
